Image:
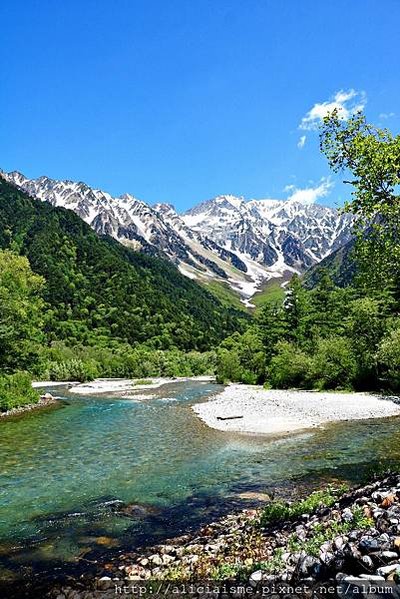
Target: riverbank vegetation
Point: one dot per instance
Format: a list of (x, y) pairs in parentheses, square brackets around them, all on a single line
[(16, 391), (75, 306), (344, 332)]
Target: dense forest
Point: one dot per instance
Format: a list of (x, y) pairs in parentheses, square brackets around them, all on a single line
[(76, 306)]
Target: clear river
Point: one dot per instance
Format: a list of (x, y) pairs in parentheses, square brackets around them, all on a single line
[(106, 473)]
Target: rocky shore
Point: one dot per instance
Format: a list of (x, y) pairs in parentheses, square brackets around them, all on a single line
[(335, 542), (45, 401), (253, 409)]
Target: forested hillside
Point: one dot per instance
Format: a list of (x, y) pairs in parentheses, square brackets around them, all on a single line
[(96, 289)]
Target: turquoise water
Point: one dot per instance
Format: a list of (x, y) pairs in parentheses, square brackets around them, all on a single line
[(66, 472)]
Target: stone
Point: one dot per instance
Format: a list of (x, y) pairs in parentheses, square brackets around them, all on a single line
[(386, 570), (156, 559), (367, 561), (104, 583), (167, 559), (384, 538), (347, 515), (388, 500), (389, 555), (338, 543), (167, 549), (396, 542), (255, 578), (369, 544), (144, 562), (310, 566)]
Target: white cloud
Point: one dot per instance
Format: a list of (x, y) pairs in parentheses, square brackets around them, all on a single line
[(301, 142), (346, 102), (386, 115), (309, 195)]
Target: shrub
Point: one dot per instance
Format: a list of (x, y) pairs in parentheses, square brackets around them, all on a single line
[(279, 510), (16, 390), (388, 358), (228, 366), (73, 370), (290, 367), (334, 364)]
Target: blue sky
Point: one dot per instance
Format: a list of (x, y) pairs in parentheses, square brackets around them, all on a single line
[(182, 100)]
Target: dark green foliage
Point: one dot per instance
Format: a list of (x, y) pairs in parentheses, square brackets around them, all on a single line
[(98, 290), (16, 390), (341, 265)]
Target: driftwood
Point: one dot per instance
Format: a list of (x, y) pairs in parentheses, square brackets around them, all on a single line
[(228, 417)]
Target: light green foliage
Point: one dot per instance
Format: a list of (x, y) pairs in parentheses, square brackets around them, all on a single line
[(334, 364), (21, 313), (388, 358), (82, 363), (372, 157), (272, 293), (242, 358), (290, 367), (16, 390), (276, 511)]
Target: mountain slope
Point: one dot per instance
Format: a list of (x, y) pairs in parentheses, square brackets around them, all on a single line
[(99, 289), (240, 243), (340, 265)]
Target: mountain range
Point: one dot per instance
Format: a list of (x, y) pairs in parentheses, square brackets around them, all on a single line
[(243, 244)]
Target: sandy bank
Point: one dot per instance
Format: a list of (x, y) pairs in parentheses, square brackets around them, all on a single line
[(274, 412), (39, 384), (129, 385)]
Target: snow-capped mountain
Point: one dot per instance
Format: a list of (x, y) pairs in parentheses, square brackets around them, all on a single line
[(242, 243)]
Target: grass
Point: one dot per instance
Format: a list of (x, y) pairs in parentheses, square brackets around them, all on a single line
[(272, 293), (143, 382), (280, 510), (226, 295)]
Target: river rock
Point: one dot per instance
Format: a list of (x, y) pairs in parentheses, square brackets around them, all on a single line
[(310, 566), (389, 555), (255, 578), (369, 544), (104, 583), (386, 570), (156, 559)]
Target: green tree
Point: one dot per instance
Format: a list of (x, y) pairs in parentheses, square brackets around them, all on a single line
[(21, 313), (388, 358), (296, 307), (372, 157), (334, 364), (290, 367)]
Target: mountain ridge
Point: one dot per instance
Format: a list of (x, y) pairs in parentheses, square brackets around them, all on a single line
[(243, 243)]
